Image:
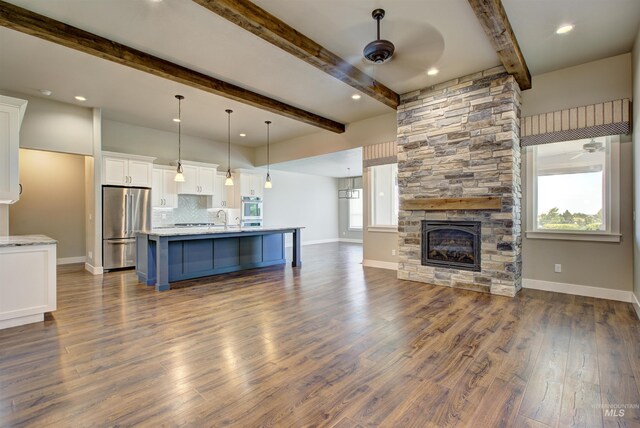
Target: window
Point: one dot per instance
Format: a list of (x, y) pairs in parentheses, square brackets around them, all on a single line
[(384, 196), (355, 212), (572, 190)]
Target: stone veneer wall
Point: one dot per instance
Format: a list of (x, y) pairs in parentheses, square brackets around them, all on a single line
[(461, 139)]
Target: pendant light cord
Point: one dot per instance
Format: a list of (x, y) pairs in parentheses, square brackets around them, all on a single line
[(268, 155), (179, 130), (229, 139)]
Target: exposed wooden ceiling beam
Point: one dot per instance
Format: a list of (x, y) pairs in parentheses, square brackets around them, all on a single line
[(26, 21), (253, 18), (496, 24)]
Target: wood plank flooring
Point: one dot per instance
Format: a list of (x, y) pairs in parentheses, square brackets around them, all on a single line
[(330, 344)]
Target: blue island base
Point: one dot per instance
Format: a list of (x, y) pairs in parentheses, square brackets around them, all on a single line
[(165, 259)]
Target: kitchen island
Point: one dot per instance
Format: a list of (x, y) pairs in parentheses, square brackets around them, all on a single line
[(166, 255), (27, 279)]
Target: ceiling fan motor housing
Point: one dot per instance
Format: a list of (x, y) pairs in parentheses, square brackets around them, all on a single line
[(379, 50)]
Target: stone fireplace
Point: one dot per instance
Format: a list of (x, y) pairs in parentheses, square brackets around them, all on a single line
[(458, 143)]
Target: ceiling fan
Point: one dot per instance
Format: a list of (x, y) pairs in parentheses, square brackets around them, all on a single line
[(378, 51), (592, 146)]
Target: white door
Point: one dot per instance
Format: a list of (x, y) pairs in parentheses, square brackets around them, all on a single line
[(115, 171), (169, 189), (140, 173), (190, 184), (10, 117), (207, 181), (157, 198)]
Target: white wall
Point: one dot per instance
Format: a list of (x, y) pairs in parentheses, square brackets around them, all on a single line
[(54, 126), (595, 264), (303, 200), (137, 140)]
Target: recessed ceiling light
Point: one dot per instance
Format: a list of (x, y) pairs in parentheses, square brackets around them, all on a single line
[(45, 92), (356, 97), (175, 119), (564, 28), (432, 71), (80, 98), (243, 135)]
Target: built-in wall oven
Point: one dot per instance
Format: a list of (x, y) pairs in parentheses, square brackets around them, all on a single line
[(251, 211)]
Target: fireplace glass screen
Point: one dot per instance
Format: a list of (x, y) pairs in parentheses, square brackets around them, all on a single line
[(452, 244)]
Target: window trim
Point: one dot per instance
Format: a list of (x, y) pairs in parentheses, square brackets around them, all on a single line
[(611, 213), (385, 228), (349, 227)]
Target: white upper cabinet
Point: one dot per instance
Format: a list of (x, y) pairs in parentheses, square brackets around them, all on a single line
[(11, 114), (249, 184), (163, 190), (224, 195), (199, 179), (120, 169)]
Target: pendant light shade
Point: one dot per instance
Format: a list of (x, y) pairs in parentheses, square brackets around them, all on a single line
[(267, 182), (179, 175), (229, 180)]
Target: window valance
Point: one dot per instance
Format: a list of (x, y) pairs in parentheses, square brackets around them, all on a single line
[(591, 121), (380, 154)]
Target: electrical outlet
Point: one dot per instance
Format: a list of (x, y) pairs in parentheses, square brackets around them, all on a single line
[(558, 268), (344, 233), (393, 252)]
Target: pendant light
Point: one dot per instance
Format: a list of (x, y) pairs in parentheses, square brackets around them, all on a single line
[(267, 183), (229, 179), (179, 175)]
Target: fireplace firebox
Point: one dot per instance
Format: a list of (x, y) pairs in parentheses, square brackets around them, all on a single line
[(451, 244)]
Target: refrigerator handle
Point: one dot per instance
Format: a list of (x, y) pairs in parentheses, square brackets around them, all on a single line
[(131, 220), (126, 213)]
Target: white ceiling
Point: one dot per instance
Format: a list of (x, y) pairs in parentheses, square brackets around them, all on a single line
[(346, 163), (427, 33), (603, 28)]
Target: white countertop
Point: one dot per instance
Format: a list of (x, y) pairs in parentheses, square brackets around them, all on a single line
[(20, 240), (180, 231)]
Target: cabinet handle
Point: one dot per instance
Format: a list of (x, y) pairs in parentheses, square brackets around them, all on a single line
[(20, 186)]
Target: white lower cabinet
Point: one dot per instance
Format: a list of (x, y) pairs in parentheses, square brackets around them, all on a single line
[(27, 283)]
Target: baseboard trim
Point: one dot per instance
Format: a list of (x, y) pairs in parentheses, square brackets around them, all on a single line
[(636, 304), (352, 241), (70, 260), (380, 264), (96, 270), (579, 290), (315, 242)]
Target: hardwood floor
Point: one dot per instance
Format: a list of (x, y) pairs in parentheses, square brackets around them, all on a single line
[(329, 344)]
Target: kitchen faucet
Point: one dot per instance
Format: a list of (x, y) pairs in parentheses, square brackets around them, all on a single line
[(225, 217)]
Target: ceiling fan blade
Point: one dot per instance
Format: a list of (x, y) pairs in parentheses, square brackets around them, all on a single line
[(577, 156)]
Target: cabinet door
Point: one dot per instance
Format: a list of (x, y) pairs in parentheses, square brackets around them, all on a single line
[(258, 185), (157, 198), (219, 192), (207, 177), (245, 184), (140, 173), (231, 194), (170, 190), (10, 118), (115, 171), (190, 184)]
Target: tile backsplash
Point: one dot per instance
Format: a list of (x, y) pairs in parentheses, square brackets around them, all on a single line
[(191, 209)]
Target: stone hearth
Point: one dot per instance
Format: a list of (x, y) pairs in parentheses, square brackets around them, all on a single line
[(461, 139)]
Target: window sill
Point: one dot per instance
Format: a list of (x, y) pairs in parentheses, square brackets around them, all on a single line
[(385, 229), (354, 229), (574, 236)]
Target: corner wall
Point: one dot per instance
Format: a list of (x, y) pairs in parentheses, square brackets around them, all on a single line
[(636, 172), (595, 264)]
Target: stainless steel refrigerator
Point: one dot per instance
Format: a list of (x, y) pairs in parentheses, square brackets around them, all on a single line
[(125, 210)]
